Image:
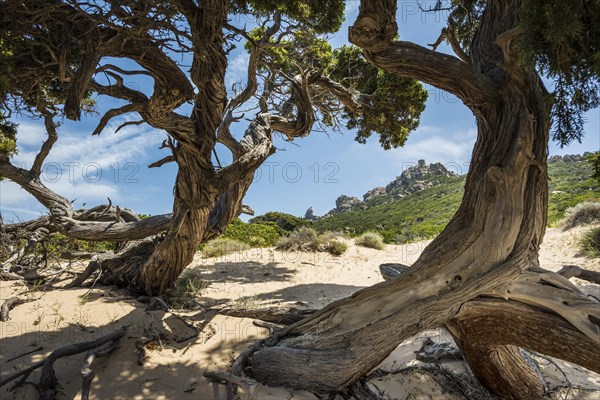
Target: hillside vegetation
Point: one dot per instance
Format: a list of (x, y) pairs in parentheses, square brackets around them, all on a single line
[(425, 213)]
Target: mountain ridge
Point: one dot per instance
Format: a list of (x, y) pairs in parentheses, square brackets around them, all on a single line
[(420, 202)]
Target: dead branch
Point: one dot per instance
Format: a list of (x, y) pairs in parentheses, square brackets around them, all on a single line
[(48, 381), (276, 315), (8, 305), (87, 375), (24, 354), (249, 385), (431, 352), (573, 271)]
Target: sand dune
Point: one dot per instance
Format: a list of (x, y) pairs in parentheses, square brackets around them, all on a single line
[(256, 278)]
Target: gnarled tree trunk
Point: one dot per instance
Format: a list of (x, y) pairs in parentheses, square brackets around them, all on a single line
[(490, 247)]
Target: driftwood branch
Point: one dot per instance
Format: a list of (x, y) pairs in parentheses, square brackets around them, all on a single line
[(573, 271), (8, 305), (48, 381)]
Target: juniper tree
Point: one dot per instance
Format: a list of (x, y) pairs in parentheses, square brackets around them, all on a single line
[(481, 277), (58, 56)]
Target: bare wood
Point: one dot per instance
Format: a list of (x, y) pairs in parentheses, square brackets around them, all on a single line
[(87, 375), (491, 331), (8, 305), (248, 384), (48, 381), (24, 354), (36, 168), (276, 315), (574, 271), (116, 231)]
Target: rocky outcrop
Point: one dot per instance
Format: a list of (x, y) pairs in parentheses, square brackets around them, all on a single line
[(413, 179), (568, 158), (345, 203), (373, 193), (310, 215), (417, 178)]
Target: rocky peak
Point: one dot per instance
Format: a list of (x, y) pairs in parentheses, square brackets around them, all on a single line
[(568, 158), (310, 215), (344, 203), (412, 179)]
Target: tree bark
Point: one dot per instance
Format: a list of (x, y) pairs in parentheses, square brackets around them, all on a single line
[(490, 247)]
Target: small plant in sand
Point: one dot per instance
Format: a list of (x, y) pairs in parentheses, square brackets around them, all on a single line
[(372, 240), (222, 246), (307, 239), (590, 243), (584, 213), (187, 287), (336, 247)]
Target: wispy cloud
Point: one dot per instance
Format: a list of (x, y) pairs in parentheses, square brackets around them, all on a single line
[(237, 69), (83, 167)]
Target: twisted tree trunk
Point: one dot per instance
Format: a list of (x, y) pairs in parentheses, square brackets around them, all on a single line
[(489, 249)]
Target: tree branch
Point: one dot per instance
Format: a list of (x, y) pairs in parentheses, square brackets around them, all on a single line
[(36, 168), (374, 31), (162, 161), (58, 205), (440, 70), (116, 231)]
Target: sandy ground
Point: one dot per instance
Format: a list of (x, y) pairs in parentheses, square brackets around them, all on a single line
[(257, 278)]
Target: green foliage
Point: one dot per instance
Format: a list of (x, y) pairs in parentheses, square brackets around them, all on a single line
[(286, 222), (221, 247), (391, 104), (424, 214), (336, 247), (594, 160), (307, 239), (582, 214), (320, 15), (562, 38), (570, 183), (263, 234), (558, 37), (372, 240), (188, 286), (590, 243), (303, 47), (58, 244), (8, 141)]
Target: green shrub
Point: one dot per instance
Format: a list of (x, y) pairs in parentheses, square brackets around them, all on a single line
[(222, 246), (584, 213), (188, 286), (590, 243), (255, 235), (336, 247), (287, 222), (307, 239), (304, 239), (372, 240)]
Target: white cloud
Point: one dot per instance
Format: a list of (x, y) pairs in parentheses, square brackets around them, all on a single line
[(237, 69), (81, 166)]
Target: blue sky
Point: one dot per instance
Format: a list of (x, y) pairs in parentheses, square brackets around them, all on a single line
[(310, 172)]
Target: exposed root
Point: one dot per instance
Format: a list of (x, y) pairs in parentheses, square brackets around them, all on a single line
[(276, 315), (87, 375), (431, 352), (8, 305), (573, 271), (48, 382), (249, 385), (93, 265)]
